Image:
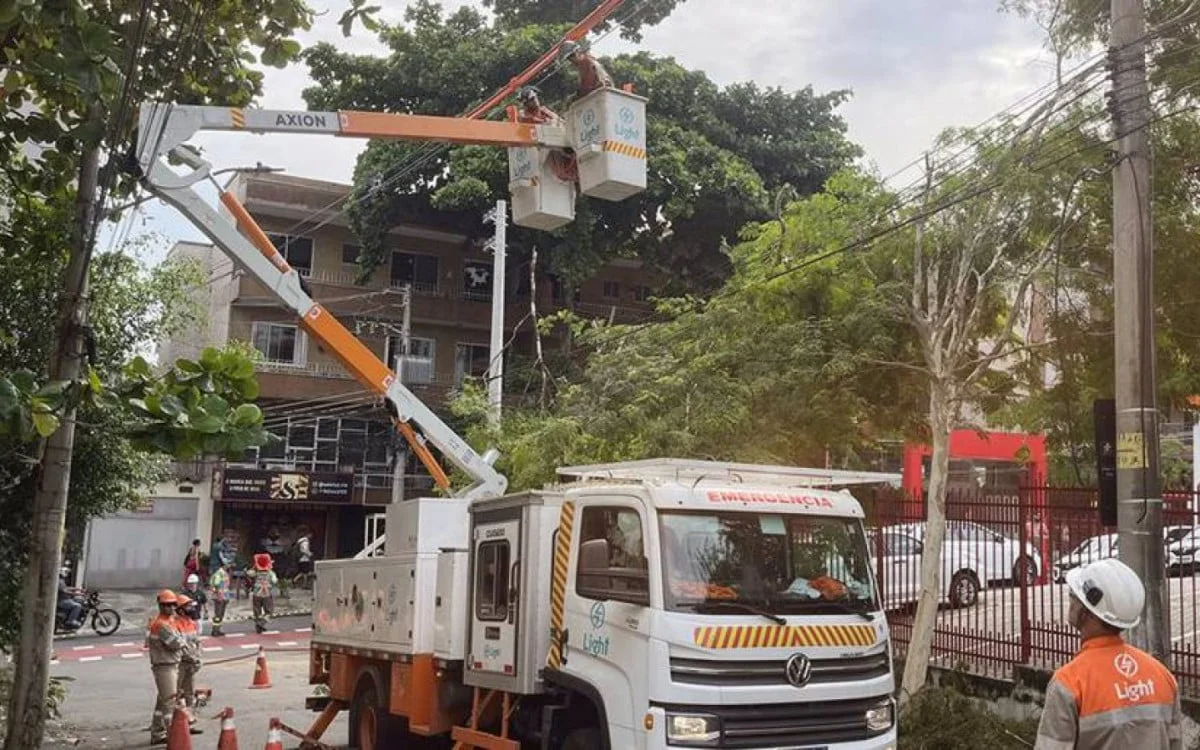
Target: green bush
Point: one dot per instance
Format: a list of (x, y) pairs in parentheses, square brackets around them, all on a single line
[(941, 718)]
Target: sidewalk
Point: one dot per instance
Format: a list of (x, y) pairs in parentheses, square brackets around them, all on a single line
[(139, 607)]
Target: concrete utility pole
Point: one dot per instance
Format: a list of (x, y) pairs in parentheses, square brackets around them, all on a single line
[(495, 372), (1139, 501), (401, 453)]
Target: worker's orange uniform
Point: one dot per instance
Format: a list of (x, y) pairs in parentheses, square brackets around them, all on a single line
[(1111, 696)]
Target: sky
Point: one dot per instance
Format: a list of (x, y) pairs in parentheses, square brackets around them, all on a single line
[(914, 67)]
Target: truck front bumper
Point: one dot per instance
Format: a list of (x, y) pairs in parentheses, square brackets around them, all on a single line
[(656, 739)]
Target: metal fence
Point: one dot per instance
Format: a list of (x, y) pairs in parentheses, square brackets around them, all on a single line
[(1003, 597)]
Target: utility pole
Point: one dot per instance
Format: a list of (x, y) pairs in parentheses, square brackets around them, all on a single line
[(400, 457), (1139, 501), (495, 374)]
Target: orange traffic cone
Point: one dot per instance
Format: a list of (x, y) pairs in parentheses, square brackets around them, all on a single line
[(262, 678), (228, 738), (179, 736), (274, 736)]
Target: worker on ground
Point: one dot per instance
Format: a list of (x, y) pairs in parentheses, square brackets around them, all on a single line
[(165, 645), (189, 656), (262, 590), (592, 74), (218, 588), (199, 600), (1111, 696)]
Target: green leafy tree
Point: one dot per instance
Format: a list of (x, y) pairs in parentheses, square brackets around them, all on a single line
[(717, 156)]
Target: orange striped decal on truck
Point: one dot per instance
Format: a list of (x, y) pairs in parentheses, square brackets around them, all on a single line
[(558, 582), (783, 636)]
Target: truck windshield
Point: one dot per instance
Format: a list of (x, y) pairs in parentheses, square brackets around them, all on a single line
[(782, 564)]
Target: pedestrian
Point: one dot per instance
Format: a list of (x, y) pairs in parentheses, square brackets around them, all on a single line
[(165, 645), (304, 553), (1111, 696), (191, 561), (592, 74), (218, 587), (262, 589), (189, 657)]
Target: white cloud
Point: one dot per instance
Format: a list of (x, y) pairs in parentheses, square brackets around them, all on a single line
[(915, 67)]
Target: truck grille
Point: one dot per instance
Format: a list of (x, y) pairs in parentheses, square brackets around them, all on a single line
[(711, 672), (789, 724)]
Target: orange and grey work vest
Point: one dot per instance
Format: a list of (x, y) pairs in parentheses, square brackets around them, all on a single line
[(165, 642), (1111, 696)]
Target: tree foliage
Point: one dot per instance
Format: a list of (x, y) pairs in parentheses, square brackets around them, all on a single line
[(717, 156)]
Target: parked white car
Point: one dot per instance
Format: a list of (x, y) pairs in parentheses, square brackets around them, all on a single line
[(1183, 551), (999, 556), (962, 578), (1099, 547)]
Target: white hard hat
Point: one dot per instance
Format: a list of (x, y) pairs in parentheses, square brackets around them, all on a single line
[(193, 578), (1110, 590)]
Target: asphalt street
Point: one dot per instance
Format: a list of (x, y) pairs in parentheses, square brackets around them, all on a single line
[(110, 706)]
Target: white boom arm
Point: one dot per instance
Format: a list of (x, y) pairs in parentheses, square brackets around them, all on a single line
[(163, 131)]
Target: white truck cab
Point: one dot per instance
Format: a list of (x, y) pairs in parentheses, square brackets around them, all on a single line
[(650, 612)]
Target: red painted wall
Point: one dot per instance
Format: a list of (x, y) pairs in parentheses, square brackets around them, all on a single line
[(970, 444)]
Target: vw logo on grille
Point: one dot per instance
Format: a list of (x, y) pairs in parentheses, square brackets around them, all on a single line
[(798, 670)]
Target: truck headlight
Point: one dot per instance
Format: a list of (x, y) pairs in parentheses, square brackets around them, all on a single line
[(692, 729), (881, 716)]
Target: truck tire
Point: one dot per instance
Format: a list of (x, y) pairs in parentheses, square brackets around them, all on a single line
[(371, 726), (964, 589), (584, 738)]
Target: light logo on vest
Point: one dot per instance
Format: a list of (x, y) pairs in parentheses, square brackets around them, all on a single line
[(1134, 692)]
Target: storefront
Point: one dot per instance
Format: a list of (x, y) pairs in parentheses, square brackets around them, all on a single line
[(267, 511)]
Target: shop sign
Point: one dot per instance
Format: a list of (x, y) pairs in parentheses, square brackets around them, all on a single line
[(286, 486)]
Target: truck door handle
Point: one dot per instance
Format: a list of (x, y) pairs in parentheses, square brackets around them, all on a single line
[(513, 591)]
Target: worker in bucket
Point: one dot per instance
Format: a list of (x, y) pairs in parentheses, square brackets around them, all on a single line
[(165, 645), (1111, 696), (262, 590), (189, 656), (592, 74)]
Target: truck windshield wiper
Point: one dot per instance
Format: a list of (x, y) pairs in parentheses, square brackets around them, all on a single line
[(726, 604), (842, 607)]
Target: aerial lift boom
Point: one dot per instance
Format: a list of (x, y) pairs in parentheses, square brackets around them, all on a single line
[(163, 132)]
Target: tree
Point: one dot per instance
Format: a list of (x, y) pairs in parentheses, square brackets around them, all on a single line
[(777, 367), (73, 74), (717, 156)]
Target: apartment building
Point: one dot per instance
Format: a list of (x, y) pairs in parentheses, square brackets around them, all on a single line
[(338, 459)]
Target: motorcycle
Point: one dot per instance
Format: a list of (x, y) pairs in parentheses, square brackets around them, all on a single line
[(104, 620)]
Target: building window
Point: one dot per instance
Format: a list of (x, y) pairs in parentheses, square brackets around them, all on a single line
[(612, 290), (477, 280), (421, 271), (491, 581), (612, 556), (297, 250), (470, 360), (350, 254), (281, 343), (641, 294), (420, 365)]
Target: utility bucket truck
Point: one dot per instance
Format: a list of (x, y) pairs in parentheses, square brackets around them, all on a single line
[(643, 605)]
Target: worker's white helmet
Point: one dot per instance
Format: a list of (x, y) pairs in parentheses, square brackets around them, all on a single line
[(1110, 590), (193, 578), (571, 47)]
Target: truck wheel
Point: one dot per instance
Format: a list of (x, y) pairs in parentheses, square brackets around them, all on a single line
[(586, 738), (371, 726)]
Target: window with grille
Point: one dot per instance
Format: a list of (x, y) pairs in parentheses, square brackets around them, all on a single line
[(350, 254), (281, 343), (421, 271), (297, 250), (470, 360), (477, 280), (612, 290)]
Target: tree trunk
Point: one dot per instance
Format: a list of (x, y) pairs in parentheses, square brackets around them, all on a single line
[(920, 645), (31, 678)]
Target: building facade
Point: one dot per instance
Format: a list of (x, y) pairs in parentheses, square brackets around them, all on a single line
[(338, 460)]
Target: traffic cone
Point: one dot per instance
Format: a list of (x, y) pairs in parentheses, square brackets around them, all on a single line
[(179, 736), (274, 736), (262, 678), (228, 738)]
